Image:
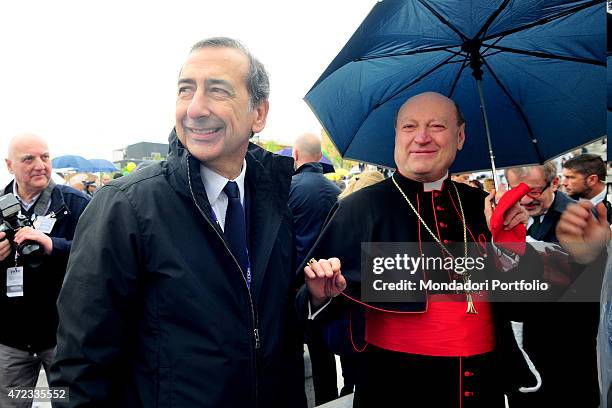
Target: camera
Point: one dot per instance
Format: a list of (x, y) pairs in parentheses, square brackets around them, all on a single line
[(11, 221)]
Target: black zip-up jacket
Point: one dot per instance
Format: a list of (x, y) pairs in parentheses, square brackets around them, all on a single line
[(29, 322), (311, 196), (155, 311)]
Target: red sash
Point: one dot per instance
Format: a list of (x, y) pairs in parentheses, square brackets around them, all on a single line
[(443, 330)]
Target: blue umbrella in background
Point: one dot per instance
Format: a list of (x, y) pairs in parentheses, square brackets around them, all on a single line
[(102, 166), (71, 161), (533, 70)]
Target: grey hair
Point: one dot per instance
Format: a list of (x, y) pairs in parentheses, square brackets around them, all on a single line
[(257, 80), (548, 169)]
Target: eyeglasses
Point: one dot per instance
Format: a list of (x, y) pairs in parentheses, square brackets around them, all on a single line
[(537, 192)]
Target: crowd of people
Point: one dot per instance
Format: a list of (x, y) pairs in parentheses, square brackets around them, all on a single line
[(195, 281)]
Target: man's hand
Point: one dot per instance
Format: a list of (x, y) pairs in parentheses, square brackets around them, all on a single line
[(514, 216), (29, 233), (324, 280), (581, 234), (5, 246)]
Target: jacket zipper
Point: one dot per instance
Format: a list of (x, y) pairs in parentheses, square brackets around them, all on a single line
[(256, 337)]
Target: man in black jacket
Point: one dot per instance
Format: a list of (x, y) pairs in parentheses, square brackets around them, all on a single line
[(311, 195), (310, 198), (180, 286), (543, 324), (29, 291)]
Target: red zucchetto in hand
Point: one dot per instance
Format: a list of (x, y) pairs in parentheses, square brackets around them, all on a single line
[(514, 239)]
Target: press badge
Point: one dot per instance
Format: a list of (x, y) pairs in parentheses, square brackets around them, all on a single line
[(44, 224), (14, 281)]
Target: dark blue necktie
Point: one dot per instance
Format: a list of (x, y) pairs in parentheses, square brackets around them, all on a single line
[(535, 225), (235, 225)]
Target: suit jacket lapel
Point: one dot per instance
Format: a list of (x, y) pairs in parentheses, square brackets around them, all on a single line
[(266, 207), (547, 223), (552, 217)]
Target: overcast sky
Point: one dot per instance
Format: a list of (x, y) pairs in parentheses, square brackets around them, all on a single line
[(92, 77)]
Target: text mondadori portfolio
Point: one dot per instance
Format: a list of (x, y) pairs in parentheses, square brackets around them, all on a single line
[(493, 284)]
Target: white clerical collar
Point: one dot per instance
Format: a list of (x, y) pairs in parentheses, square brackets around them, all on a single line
[(435, 185), (214, 183)]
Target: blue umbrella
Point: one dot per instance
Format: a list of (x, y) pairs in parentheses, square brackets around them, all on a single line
[(102, 165), (535, 67), (71, 161)]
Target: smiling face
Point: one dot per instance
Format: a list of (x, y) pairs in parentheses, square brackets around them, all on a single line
[(214, 119), (427, 137), (29, 161)]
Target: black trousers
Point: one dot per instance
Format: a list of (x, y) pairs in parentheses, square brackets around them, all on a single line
[(390, 379), (323, 364)]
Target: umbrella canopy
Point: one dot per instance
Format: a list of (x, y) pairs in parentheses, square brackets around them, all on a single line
[(327, 165), (102, 166), (541, 64), (72, 161)]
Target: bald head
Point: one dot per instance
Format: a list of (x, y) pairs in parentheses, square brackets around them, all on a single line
[(28, 160), (306, 149), (433, 97), (22, 141)]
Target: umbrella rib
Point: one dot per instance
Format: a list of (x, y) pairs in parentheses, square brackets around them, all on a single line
[(534, 140), (487, 47), (545, 19), (491, 19), (402, 54), (452, 90), (443, 20), (547, 55), (492, 53), (441, 64)]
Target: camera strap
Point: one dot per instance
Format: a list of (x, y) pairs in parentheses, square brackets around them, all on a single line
[(43, 203)]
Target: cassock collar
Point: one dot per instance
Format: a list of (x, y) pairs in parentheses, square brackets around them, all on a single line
[(419, 187)]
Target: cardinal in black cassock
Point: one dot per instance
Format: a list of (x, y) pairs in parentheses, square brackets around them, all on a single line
[(423, 352)]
